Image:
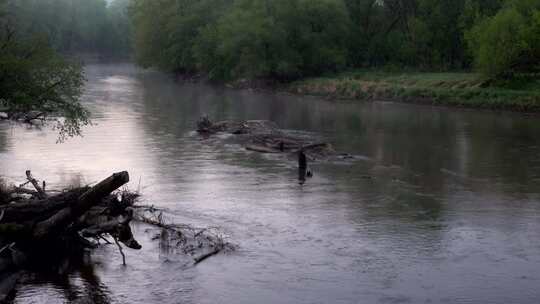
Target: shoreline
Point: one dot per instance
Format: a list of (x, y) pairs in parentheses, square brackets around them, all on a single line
[(456, 91), (453, 90)]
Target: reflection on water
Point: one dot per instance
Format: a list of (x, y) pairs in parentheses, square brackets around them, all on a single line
[(441, 207), (75, 280)]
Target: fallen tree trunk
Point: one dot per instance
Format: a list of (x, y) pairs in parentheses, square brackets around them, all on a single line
[(39, 230), (91, 197), (38, 210)]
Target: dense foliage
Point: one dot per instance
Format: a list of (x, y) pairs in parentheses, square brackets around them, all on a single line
[(508, 42), (36, 79), (287, 39)]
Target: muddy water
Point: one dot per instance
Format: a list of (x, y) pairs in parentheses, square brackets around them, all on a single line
[(440, 206)]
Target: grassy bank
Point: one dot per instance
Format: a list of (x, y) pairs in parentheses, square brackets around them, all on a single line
[(450, 89)]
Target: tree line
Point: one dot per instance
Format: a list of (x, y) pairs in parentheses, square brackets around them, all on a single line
[(270, 39), (289, 39), (75, 26)]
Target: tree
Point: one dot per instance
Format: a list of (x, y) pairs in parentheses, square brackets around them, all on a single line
[(36, 82), (507, 43), (277, 39), (117, 33), (151, 38)]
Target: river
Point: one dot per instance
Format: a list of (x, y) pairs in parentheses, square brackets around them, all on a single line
[(440, 206)]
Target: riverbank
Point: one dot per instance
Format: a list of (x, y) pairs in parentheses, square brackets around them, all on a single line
[(448, 89)]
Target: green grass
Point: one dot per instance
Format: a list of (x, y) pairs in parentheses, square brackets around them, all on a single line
[(453, 89)]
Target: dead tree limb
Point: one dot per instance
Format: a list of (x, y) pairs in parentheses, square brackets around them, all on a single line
[(206, 255), (108, 227), (40, 191), (121, 251), (103, 238), (117, 228)]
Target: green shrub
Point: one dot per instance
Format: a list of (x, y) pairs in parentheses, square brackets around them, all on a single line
[(508, 42)]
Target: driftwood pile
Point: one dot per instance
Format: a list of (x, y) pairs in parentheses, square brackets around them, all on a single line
[(206, 126), (40, 228), (265, 137)]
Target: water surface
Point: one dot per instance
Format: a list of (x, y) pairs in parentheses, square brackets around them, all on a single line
[(441, 205)]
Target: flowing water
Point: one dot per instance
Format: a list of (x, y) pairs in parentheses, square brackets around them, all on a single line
[(440, 206)]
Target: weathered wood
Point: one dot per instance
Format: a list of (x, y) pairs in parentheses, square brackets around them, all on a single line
[(99, 229), (121, 251), (265, 137), (41, 193), (118, 227), (52, 228), (316, 146), (38, 210), (205, 126), (261, 149), (93, 196)]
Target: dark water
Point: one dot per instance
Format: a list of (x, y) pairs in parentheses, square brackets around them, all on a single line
[(441, 207)]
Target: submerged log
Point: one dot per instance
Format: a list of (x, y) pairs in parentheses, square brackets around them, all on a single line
[(265, 137), (205, 126), (262, 149), (205, 256)]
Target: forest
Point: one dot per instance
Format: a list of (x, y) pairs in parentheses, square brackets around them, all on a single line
[(291, 39), (73, 26)]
